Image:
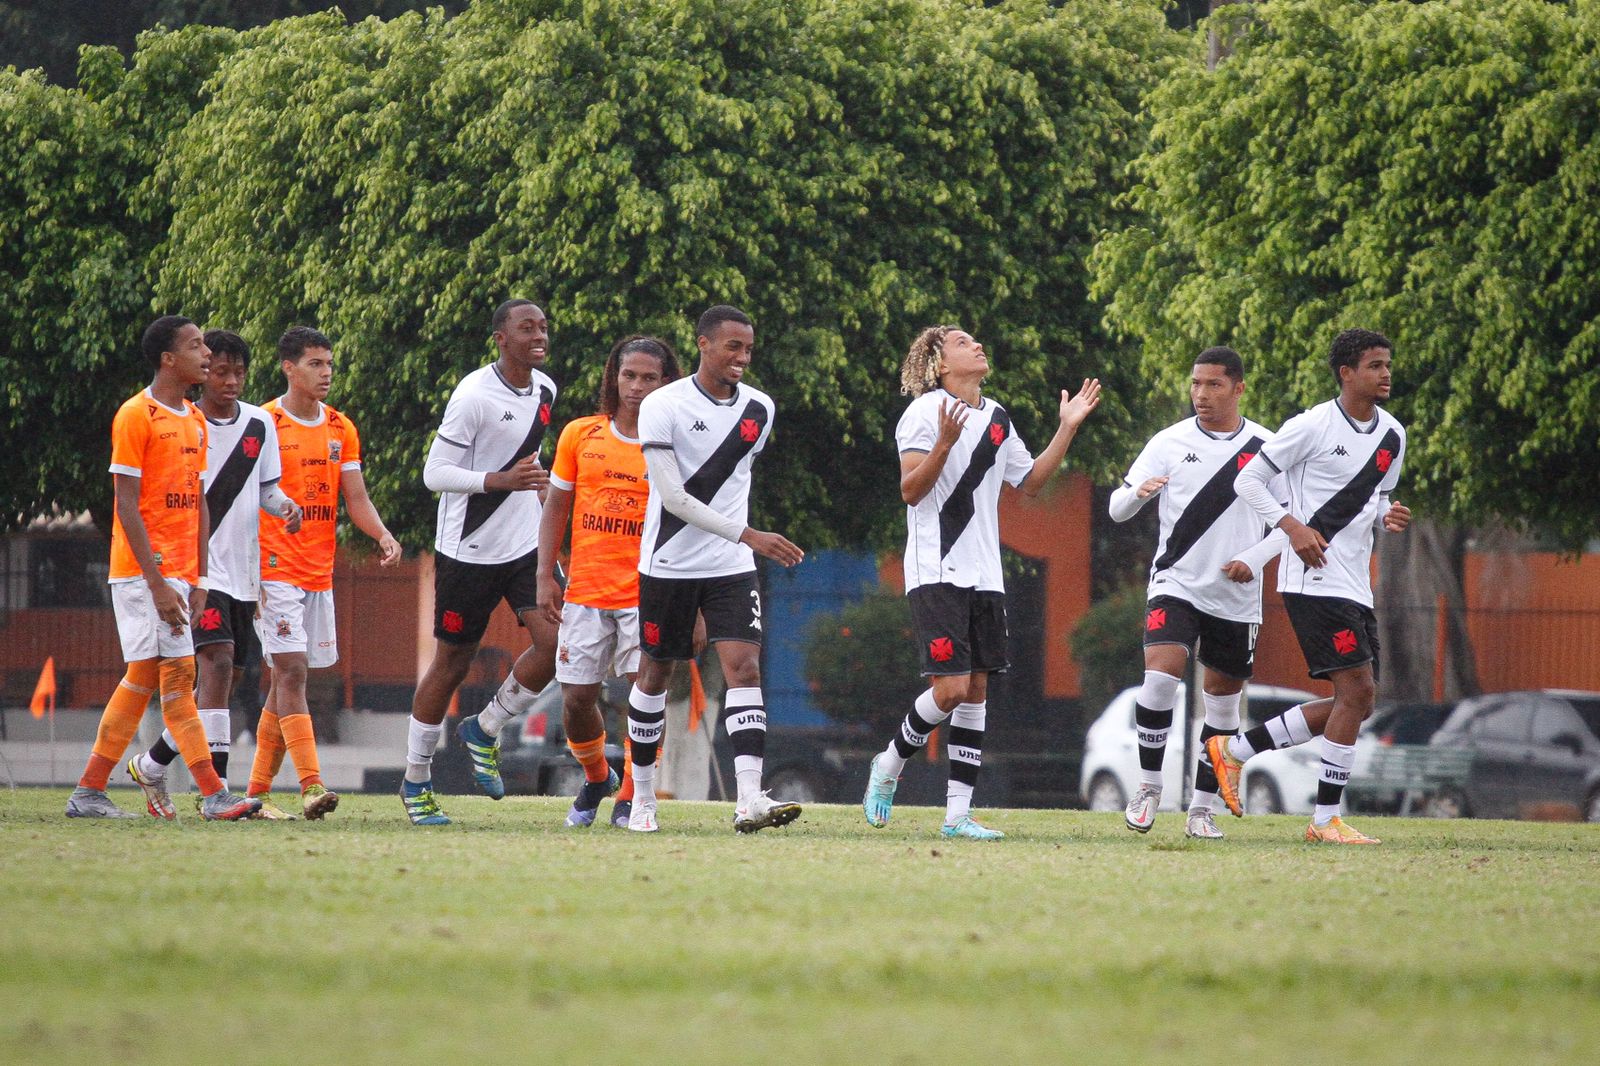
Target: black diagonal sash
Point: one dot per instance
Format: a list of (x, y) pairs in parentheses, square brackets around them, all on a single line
[(958, 507), (1208, 505), (704, 483), (230, 479), (1342, 507), (481, 506)]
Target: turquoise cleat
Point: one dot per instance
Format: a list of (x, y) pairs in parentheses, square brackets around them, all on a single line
[(422, 806), (485, 753), (971, 830), (878, 803), (587, 803)]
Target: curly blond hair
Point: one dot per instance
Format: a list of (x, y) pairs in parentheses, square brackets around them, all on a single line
[(920, 371)]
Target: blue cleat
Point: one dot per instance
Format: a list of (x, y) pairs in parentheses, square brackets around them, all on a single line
[(878, 803), (621, 811), (970, 830), (587, 803), (485, 753), (422, 806)]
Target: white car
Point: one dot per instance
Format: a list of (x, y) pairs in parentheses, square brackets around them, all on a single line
[(1275, 782)]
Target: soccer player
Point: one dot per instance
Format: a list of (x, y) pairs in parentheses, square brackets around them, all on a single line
[(1192, 606), (158, 570), (484, 463), (701, 435), (956, 447), (321, 457), (1341, 460), (242, 471), (598, 484)]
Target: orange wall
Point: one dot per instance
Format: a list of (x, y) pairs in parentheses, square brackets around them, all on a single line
[(1535, 621)]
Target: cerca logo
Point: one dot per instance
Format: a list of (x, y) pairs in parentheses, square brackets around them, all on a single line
[(997, 433), (652, 633), (251, 446), (451, 622), (1156, 619), (1244, 459), (748, 430), (941, 649), (1383, 459), (1344, 642), (210, 618)]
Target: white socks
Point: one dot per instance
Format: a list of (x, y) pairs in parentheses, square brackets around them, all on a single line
[(421, 742), (511, 700)]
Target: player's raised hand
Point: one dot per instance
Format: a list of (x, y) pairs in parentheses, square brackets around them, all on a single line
[(1239, 572), (773, 546), (523, 475), (550, 598), (388, 549), (1077, 408), (953, 415), (1150, 488), (1397, 518), (291, 514)]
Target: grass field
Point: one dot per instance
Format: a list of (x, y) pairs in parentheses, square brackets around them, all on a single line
[(506, 938)]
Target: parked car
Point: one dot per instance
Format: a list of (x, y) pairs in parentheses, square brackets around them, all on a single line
[(1380, 786), (1274, 782), (1534, 754), (534, 760)]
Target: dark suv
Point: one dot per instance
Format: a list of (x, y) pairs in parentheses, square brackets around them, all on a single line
[(1534, 754)]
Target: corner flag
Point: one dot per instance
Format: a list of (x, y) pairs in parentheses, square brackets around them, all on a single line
[(45, 691)]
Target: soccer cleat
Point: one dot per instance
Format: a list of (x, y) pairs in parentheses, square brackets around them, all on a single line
[(94, 803), (1228, 770), (587, 803), (156, 799), (620, 812), (1141, 812), (317, 801), (642, 818), (1201, 825), (970, 830), (422, 806), (269, 811), (764, 812), (878, 803), (1336, 832), (485, 753), (226, 806)]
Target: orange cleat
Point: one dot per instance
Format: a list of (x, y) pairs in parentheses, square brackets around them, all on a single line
[(1336, 832), (1228, 770)]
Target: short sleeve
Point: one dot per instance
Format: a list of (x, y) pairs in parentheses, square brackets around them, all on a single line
[(271, 462), (1018, 463), (1296, 442), (918, 429), (564, 472), (130, 436), (350, 452), (462, 419), (655, 420)]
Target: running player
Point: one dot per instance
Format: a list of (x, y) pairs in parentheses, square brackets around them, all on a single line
[(296, 624), (701, 435), (951, 467), (158, 571), (242, 471), (1192, 607), (484, 463), (1341, 459), (598, 485)]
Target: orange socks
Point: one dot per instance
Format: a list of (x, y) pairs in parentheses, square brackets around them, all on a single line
[(269, 754), (120, 721), (183, 721), (302, 745), (592, 754)]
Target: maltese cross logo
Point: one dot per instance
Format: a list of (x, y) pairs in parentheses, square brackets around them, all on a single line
[(251, 446), (544, 413), (210, 618), (748, 430), (652, 633), (1244, 459), (1344, 642), (1383, 459), (451, 622), (1156, 619), (997, 433), (940, 649)]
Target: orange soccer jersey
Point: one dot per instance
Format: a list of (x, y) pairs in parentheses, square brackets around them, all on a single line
[(313, 457), (166, 450), (607, 476)]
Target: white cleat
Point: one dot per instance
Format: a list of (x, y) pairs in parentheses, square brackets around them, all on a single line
[(764, 812), (642, 819), (1202, 825), (1141, 812)]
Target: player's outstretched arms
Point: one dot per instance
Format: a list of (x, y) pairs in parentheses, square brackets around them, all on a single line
[(1127, 501), (1073, 411)]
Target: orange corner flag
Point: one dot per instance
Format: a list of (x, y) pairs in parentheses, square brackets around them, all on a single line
[(697, 696), (45, 691)]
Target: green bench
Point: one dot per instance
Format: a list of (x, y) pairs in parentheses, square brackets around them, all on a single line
[(1415, 771)]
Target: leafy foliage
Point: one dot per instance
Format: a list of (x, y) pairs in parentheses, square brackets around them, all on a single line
[(1108, 644), (1429, 170), (862, 664)]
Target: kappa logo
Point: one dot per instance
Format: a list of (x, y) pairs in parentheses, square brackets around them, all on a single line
[(749, 430), (1191, 458), (652, 633), (1156, 619), (1339, 450), (1344, 642), (451, 622), (1383, 459), (941, 649), (698, 427), (997, 433), (1244, 459), (251, 446), (508, 417), (210, 618)]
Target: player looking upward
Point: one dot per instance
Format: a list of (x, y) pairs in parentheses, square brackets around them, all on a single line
[(321, 459), (701, 435), (598, 485), (242, 472), (1341, 460), (158, 570), (956, 447), (484, 463)]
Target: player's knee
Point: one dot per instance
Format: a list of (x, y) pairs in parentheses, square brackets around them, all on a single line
[(177, 675), (144, 674), (948, 692), (1358, 691), (216, 657), (743, 672)]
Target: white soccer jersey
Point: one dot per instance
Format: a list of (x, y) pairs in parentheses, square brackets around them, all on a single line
[(953, 534), (1204, 523), (1336, 471), (242, 456), (492, 424), (715, 444)]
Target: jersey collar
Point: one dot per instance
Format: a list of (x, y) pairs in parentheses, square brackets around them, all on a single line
[(1220, 436), (1371, 427), (514, 390), (729, 402), (175, 410), (322, 414)]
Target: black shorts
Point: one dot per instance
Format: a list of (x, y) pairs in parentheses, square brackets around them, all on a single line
[(668, 605), (1227, 647), (1334, 634), (466, 594), (959, 630), (229, 621)]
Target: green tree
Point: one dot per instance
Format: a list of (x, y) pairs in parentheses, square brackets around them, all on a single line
[(1108, 645), (1430, 170), (862, 664)]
